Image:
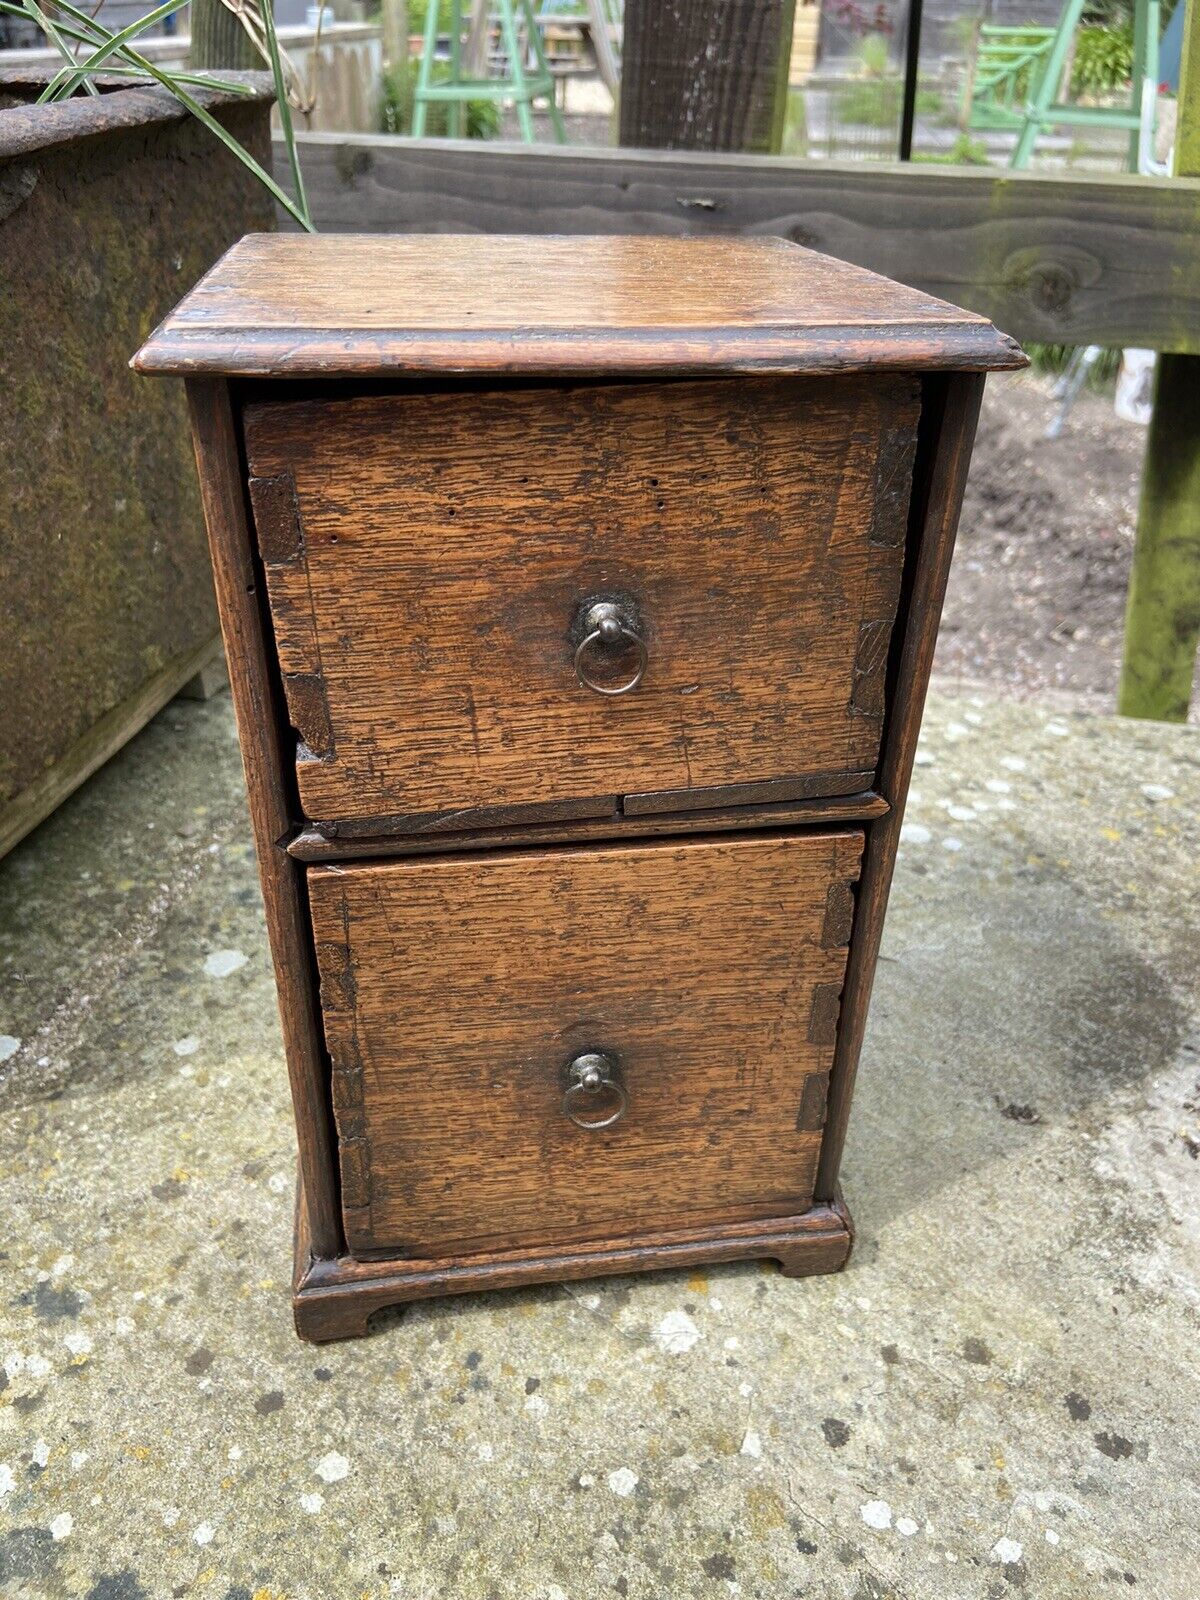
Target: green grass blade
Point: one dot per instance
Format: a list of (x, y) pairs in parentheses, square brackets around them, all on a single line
[(172, 82), (22, 10), (201, 80), (267, 9), (226, 138), (65, 82), (231, 144), (197, 80), (32, 9)]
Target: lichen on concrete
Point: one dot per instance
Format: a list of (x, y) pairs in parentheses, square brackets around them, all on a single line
[(998, 1397)]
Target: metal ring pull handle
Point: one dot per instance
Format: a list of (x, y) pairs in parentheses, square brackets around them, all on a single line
[(593, 1081), (604, 627)]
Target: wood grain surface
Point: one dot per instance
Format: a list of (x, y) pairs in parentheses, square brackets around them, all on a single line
[(428, 554), (337, 1299), (1089, 258), (948, 422), (254, 688), (456, 991), (310, 844), (288, 305)]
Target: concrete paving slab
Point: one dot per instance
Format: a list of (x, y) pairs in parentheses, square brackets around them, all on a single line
[(998, 1397)]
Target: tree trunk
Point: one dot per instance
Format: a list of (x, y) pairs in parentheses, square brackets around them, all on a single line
[(218, 39), (705, 74)]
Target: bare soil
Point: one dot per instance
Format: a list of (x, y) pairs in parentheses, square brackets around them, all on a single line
[(1036, 601)]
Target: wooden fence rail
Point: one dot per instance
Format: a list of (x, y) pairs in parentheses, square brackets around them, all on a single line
[(1066, 259)]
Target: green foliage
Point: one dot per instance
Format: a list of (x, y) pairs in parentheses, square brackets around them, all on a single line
[(482, 117), (1051, 359), (795, 125), (873, 54), (874, 101), (418, 11), (1103, 59), (869, 102), (964, 152)]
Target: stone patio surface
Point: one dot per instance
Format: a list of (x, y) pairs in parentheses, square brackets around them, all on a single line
[(1000, 1396)]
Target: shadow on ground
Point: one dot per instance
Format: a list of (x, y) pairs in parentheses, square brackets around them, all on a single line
[(996, 1397)]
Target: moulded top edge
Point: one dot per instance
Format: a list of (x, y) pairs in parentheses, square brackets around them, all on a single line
[(301, 306)]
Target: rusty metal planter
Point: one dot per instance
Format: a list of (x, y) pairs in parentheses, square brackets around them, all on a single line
[(110, 208)]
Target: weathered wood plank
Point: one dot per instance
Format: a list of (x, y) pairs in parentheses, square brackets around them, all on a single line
[(1075, 261), (298, 306), (215, 433)]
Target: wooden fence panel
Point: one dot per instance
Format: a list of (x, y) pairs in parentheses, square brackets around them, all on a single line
[(1071, 260)]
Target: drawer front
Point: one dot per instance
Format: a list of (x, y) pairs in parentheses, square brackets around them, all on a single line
[(699, 983), (433, 561)]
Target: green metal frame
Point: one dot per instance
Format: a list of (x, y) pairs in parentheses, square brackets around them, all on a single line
[(1045, 111), (1003, 54), (521, 86)]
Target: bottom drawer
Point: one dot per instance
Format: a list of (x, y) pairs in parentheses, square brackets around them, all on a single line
[(680, 998)]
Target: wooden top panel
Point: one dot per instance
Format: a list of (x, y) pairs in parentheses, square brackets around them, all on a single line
[(300, 306)]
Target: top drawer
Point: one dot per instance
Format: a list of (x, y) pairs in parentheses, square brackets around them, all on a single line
[(433, 562)]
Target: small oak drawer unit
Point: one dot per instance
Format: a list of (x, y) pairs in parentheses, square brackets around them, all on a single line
[(579, 597)]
